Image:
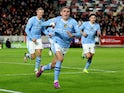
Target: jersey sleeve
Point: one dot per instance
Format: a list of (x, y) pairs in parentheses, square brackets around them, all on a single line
[(49, 22), (46, 31), (99, 29), (77, 30), (28, 28), (43, 29), (82, 27)]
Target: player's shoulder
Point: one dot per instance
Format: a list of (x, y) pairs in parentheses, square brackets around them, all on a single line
[(58, 17), (85, 23), (32, 18), (72, 20), (43, 19), (97, 24)]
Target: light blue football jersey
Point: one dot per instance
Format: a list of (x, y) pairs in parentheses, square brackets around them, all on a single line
[(34, 28), (50, 31), (61, 27), (90, 30)]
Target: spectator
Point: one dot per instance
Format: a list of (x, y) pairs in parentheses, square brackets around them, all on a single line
[(8, 43), (15, 13)]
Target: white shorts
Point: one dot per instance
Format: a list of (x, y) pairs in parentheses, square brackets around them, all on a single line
[(31, 46), (89, 48), (55, 47), (50, 40)]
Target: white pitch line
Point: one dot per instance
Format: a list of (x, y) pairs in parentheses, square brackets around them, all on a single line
[(30, 74), (67, 73), (98, 70), (9, 91), (23, 74), (16, 63)]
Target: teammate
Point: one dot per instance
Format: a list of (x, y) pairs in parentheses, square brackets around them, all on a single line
[(34, 42), (50, 33), (64, 24), (88, 31)]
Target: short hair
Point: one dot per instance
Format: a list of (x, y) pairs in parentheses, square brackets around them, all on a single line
[(92, 15), (68, 7), (40, 8)]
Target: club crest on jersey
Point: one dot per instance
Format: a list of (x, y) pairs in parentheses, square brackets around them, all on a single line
[(91, 28), (39, 23), (65, 25)]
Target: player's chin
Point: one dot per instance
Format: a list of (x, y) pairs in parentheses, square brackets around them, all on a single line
[(66, 17)]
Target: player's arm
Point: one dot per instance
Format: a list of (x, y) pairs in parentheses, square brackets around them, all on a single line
[(28, 28), (47, 32), (81, 30), (50, 22), (98, 31), (83, 33), (77, 31), (44, 30)]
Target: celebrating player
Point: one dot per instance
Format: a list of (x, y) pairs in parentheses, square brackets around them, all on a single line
[(88, 30), (63, 25), (34, 41)]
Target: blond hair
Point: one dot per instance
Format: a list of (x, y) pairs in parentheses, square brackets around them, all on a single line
[(40, 8)]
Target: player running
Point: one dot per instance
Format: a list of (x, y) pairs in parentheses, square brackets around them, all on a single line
[(63, 25), (88, 30), (34, 42)]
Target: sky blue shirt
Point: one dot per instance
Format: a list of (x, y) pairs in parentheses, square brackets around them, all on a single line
[(50, 31), (90, 30), (61, 27), (34, 28)]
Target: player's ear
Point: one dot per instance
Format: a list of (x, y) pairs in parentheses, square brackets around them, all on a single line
[(60, 12)]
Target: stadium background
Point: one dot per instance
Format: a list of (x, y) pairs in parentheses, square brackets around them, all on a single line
[(106, 72), (15, 13)]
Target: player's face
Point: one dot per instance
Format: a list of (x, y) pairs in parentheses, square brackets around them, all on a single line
[(92, 19), (40, 13), (65, 13)]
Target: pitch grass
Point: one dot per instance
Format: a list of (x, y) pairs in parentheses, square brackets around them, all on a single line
[(19, 76)]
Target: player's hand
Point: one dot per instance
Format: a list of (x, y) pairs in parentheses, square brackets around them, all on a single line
[(70, 34), (50, 35), (34, 40), (84, 34), (99, 34), (52, 25)]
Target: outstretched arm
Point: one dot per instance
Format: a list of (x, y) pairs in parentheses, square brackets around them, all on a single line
[(50, 22)]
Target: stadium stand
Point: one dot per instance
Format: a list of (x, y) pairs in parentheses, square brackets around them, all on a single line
[(15, 13)]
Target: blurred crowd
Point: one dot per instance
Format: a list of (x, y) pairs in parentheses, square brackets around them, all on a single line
[(15, 14)]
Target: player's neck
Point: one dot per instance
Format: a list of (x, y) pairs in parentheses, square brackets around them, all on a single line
[(92, 22), (39, 18), (64, 20)]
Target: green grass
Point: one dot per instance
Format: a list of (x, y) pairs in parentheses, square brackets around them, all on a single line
[(19, 76)]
